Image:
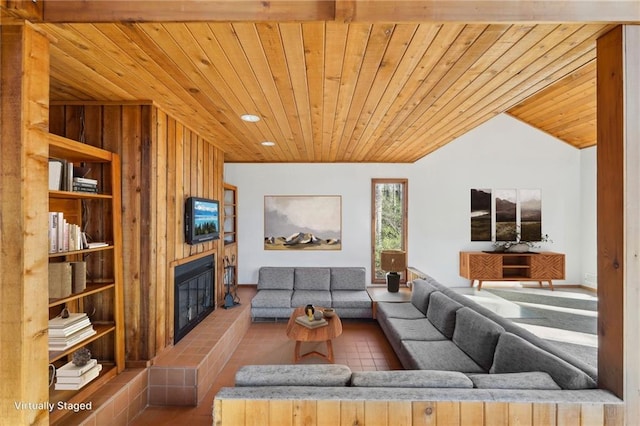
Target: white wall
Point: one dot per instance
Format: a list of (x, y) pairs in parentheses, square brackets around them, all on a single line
[(589, 227), (502, 153)]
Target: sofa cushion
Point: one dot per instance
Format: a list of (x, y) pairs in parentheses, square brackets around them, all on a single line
[(272, 299), (410, 379), (275, 278), (348, 279), (315, 298), (294, 375), (514, 355), (439, 355), (531, 380), (420, 291), (412, 329), (350, 299), (386, 310), (442, 313), (312, 279), (477, 336)]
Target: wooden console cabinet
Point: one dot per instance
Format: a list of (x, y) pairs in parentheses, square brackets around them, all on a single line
[(485, 266)]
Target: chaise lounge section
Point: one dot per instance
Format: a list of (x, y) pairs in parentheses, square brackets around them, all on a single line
[(282, 289)]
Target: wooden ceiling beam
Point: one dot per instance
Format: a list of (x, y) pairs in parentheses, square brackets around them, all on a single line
[(75, 11), (370, 11), (488, 11)]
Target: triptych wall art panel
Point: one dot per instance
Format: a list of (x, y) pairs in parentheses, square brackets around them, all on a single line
[(502, 214), (303, 222)]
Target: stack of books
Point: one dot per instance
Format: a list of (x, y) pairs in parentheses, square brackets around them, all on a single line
[(304, 320), (81, 184), (73, 377), (67, 332)]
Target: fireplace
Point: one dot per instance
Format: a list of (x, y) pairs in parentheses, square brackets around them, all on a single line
[(193, 294)]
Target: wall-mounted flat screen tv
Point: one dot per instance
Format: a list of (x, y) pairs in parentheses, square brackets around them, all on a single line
[(201, 220)]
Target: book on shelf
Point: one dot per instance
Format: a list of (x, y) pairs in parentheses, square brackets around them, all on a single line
[(57, 333), (75, 383), (72, 370), (63, 236), (64, 343), (304, 320), (61, 323), (97, 244), (85, 181), (56, 172)]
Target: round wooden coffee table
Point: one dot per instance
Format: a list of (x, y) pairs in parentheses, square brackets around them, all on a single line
[(300, 334)]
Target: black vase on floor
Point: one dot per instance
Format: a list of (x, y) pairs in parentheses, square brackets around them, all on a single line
[(393, 282)]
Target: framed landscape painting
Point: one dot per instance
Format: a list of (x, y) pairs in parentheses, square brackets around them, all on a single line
[(481, 213), (302, 222)]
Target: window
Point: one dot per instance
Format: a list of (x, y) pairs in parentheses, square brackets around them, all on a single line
[(388, 221)]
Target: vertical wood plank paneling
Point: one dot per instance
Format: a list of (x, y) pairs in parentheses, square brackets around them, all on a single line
[(280, 413), (610, 211), (544, 414), (328, 413), (234, 410), (163, 202), (163, 161), (376, 413), (424, 413), (148, 225), (520, 414), (131, 200), (351, 413), (568, 415), (614, 415), (496, 413), (24, 124), (400, 413), (449, 411), (258, 413), (305, 413), (471, 413), (172, 228), (592, 415), (179, 184)]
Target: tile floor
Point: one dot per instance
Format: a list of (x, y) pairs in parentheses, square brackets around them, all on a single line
[(362, 346)]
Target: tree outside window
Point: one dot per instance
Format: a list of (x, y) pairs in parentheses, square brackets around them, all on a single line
[(389, 220)]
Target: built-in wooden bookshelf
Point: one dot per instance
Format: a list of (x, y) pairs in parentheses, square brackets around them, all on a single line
[(99, 215), (230, 224)]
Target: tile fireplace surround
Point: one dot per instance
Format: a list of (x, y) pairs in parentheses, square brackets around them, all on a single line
[(182, 374)]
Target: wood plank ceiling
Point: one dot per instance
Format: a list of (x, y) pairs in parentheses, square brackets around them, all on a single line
[(334, 91)]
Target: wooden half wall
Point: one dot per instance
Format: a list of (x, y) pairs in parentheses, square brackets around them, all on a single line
[(239, 412), (163, 162)]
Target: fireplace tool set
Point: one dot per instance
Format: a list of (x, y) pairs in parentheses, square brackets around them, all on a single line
[(231, 298)]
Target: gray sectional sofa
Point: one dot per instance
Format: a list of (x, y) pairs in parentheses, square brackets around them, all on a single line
[(443, 330), (454, 350), (281, 289)]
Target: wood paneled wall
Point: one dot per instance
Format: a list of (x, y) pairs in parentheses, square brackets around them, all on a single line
[(24, 84), (239, 412), (163, 162)]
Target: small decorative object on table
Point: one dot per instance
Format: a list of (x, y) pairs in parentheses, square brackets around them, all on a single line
[(317, 315), (519, 245), (81, 357), (328, 312), (308, 310)]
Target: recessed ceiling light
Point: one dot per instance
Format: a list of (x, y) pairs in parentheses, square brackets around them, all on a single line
[(250, 118), (267, 143)]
